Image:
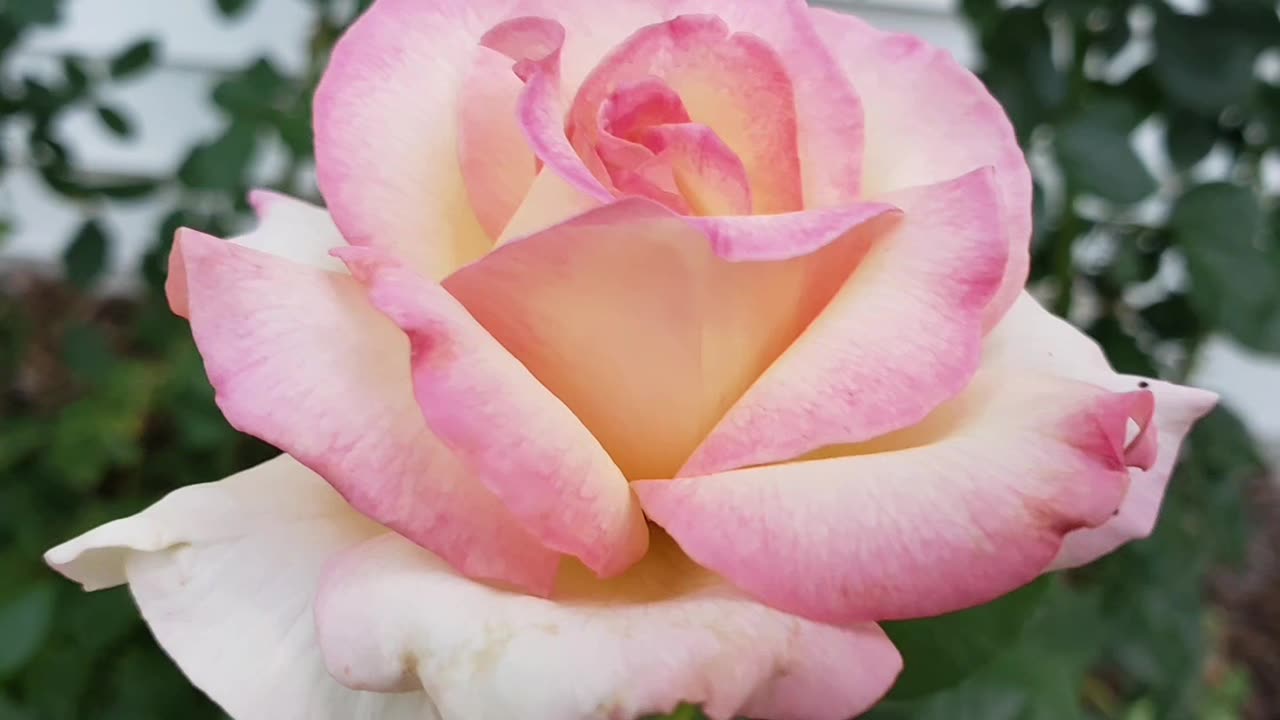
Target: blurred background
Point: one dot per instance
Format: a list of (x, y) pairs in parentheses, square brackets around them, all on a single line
[(1153, 129)]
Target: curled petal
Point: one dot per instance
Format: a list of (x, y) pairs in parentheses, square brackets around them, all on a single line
[(299, 358), (736, 85), (928, 118), (828, 110), (710, 177), (953, 513), (592, 30), (1031, 337), (534, 44), (225, 574), (664, 633), (625, 163), (509, 432), (902, 335), (649, 147)]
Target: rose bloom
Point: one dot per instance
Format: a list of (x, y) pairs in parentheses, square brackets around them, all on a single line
[(647, 351)]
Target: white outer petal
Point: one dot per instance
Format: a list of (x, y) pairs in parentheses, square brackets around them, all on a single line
[(233, 576), (225, 573), (1031, 337), (293, 229), (392, 616)]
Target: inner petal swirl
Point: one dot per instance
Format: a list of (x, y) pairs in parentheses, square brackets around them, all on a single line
[(690, 115)]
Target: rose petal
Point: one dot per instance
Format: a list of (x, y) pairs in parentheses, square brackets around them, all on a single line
[(649, 147), (946, 515), (901, 336), (551, 200), (300, 359), (828, 110), (1031, 337), (786, 236), (497, 165), (626, 314), (664, 633), (734, 84), (509, 432), (534, 44), (287, 227), (292, 229), (224, 574), (592, 30), (629, 166), (571, 188), (387, 136), (929, 119), (711, 178)]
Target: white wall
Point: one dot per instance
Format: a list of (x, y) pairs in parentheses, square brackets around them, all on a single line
[(171, 110)]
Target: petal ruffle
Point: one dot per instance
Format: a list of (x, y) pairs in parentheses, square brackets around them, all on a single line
[(299, 358), (902, 335), (1030, 337), (390, 616), (929, 119), (955, 512), (507, 430), (225, 574)]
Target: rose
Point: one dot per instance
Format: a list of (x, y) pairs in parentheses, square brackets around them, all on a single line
[(744, 270)]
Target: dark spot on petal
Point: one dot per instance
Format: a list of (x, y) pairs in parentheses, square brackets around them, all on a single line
[(1144, 384)]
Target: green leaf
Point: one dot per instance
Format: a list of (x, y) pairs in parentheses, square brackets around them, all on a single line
[(1114, 33), (222, 164), (115, 121), (1188, 138), (86, 353), (32, 12), (1131, 263), (11, 711), (25, 619), (86, 256), (980, 700), (104, 428), (77, 76), (1098, 158), (1122, 349), (1234, 268), (1203, 63), (251, 91), (684, 712), (295, 131), (1173, 318), (231, 8), (128, 189), (1038, 675), (134, 59), (942, 651)]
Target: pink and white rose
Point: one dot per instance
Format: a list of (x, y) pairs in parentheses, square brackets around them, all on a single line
[(648, 351)]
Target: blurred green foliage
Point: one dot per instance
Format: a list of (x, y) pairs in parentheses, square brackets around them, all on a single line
[(106, 408)]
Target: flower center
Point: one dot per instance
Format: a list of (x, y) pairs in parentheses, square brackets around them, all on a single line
[(693, 117)]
